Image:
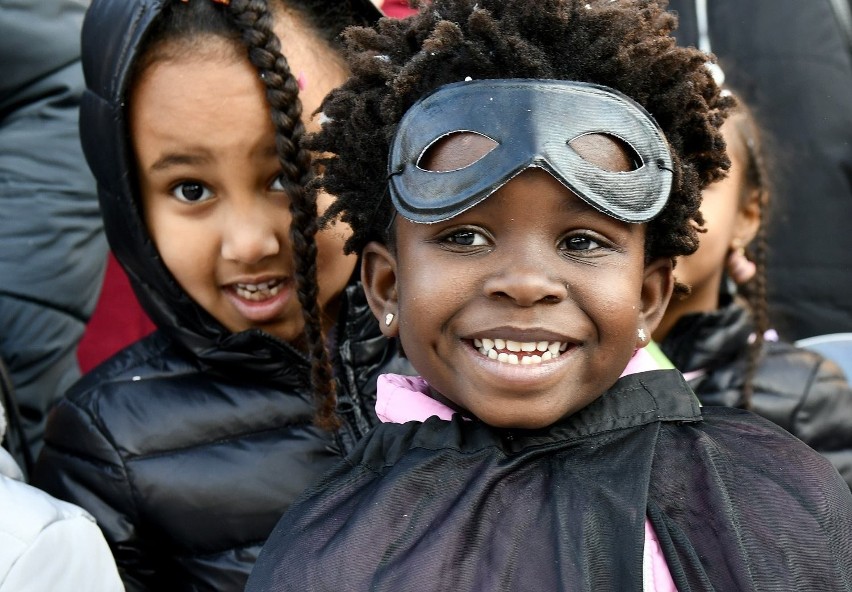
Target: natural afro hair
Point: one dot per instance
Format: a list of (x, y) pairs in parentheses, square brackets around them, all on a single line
[(622, 44)]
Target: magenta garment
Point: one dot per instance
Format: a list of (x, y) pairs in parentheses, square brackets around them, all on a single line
[(405, 398)]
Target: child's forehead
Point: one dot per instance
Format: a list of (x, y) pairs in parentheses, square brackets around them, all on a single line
[(522, 123)]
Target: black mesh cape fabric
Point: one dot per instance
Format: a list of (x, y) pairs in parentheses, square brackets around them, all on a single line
[(737, 503)]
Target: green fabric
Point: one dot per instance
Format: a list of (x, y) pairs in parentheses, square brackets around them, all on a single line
[(659, 357)]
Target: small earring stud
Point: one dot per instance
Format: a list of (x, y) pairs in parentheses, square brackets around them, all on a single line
[(641, 334), (388, 319)]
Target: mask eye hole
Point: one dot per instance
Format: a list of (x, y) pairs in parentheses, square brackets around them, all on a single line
[(455, 151), (606, 152)]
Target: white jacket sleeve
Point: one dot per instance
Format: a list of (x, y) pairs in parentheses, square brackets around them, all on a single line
[(47, 545)]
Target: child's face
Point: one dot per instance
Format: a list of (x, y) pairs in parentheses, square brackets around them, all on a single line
[(208, 172), (534, 266), (732, 217)]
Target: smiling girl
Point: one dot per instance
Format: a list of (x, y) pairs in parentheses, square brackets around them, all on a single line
[(189, 445), (519, 177)]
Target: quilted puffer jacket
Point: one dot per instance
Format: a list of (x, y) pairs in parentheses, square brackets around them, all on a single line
[(797, 389), (45, 543), (188, 458), (52, 245), (189, 445)]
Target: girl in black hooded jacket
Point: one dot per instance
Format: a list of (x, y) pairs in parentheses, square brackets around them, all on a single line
[(721, 338), (189, 445)]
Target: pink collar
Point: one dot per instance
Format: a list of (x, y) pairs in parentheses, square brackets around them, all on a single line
[(406, 398)]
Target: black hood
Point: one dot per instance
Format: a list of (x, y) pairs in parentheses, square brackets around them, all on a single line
[(113, 31)]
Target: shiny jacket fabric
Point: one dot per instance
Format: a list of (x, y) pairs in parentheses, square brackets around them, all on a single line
[(736, 503), (188, 463), (188, 445), (52, 246), (797, 389)]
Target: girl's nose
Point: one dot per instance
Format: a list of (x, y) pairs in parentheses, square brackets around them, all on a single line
[(526, 283), (251, 234)]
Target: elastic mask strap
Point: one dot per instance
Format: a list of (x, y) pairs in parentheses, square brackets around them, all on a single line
[(384, 200)]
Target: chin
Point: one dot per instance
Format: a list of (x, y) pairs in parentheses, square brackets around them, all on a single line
[(520, 421)]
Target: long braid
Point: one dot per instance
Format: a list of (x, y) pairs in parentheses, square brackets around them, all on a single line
[(755, 291), (757, 301), (255, 21)]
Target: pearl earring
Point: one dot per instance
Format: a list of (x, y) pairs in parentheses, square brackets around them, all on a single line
[(388, 319), (641, 334)]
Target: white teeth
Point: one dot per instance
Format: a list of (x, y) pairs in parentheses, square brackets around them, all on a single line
[(514, 351), (532, 360), (258, 292)]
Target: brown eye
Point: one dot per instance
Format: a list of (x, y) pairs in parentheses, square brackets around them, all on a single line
[(455, 151), (467, 238), (191, 192)]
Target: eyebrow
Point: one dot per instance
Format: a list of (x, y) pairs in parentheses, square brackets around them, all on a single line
[(172, 159), (577, 205)]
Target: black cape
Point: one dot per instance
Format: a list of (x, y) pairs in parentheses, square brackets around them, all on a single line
[(737, 503)]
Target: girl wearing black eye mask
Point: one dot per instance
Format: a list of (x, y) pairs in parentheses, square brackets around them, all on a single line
[(535, 452)]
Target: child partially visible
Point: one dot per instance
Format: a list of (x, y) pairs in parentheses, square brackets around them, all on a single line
[(719, 335), (188, 445), (47, 544), (519, 177)]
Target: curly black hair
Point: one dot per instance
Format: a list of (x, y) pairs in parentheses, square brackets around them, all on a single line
[(622, 44), (250, 23)]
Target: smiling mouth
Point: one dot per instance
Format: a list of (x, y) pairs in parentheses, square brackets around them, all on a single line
[(520, 352), (259, 292)]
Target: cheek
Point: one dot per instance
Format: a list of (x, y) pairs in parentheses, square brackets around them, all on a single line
[(617, 303), (421, 302), (188, 248), (334, 268), (719, 207)]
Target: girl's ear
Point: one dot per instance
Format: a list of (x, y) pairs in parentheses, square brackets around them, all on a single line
[(378, 275), (657, 287), (748, 217)]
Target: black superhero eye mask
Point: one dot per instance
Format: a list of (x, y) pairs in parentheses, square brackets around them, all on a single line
[(533, 123)]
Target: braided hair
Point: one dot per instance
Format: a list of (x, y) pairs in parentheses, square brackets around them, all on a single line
[(755, 180), (249, 24), (623, 44)]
